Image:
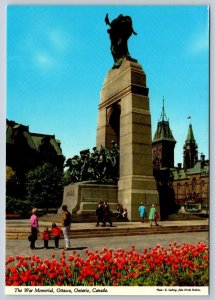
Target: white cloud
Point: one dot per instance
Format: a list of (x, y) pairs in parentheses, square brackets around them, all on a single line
[(51, 50), (199, 42), (59, 39), (44, 61), (47, 50)]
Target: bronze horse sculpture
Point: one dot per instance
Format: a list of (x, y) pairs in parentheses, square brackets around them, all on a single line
[(120, 30)]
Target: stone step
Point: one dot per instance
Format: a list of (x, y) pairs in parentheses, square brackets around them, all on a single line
[(89, 206), (96, 200), (17, 233), (86, 216)]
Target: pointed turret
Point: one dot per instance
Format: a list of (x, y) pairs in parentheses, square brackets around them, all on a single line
[(190, 135), (190, 149), (163, 143), (163, 131)]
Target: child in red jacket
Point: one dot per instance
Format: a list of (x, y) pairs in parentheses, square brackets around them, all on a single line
[(56, 234), (46, 237)]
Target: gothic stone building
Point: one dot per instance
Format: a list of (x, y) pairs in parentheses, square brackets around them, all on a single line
[(190, 181), (26, 150)]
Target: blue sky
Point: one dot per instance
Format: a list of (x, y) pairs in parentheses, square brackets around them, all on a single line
[(58, 57)]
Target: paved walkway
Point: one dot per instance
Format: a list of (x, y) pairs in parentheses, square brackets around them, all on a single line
[(21, 247)]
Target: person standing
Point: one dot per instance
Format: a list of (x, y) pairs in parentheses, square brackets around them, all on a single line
[(99, 212), (56, 234), (66, 221), (142, 212), (34, 227), (153, 215), (106, 215), (46, 237)]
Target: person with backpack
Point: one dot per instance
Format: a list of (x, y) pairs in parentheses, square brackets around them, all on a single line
[(66, 221)]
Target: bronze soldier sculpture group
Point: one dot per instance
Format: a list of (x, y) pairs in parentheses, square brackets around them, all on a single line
[(99, 166)]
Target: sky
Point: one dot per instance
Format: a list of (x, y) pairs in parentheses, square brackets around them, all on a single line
[(59, 56)]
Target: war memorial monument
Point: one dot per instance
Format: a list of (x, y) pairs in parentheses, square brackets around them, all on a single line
[(123, 117)]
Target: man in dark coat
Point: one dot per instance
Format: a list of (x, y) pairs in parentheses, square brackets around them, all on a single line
[(99, 212), (106, 214)]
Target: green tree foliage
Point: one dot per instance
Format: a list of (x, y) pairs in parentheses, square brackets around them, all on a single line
[(44, 186), (18, 206), (13, 185)]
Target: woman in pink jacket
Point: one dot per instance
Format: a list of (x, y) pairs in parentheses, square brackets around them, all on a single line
[(34, 228)]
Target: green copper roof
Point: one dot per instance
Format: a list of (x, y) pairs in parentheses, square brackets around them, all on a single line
[(9, 135), (190, 135), (163, 132), (33, 140), (197, 169)]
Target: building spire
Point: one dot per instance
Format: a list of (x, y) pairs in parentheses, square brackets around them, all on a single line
[(163, 114), (190, 135), (190, 149), (163, 131)]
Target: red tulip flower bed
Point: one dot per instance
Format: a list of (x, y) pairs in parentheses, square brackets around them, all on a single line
[(176, 265)]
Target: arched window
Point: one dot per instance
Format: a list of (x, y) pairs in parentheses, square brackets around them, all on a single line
[(178, 190), (202, 188), (186, 192), (113, 120), (194, 185)]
